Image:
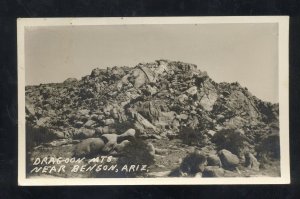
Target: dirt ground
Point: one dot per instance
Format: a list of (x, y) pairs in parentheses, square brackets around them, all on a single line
[(171, 153)]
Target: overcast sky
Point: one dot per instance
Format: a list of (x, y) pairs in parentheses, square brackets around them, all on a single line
[(247, 53)]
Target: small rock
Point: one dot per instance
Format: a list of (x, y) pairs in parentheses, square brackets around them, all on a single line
[(231, 174), (29, 107), (94, 117), (214, 160), (70, 80), (229, 160), (100, 117), (89, 123), (220, 117), (114, 113), (192, 91), (109, 122), (151, 90), (59, 134), (110, 141), (60, 142), (154, 136), (198, 175), (108, 130), (182, 98), (251, 162), (78, 124), (160, 166), (84, 111), (171, 134), (42, 121), (213, 171), (83, 133), (161, 151), (193, 112), (120, 147), (211, 133), (182, 116), (98, 131), (151, 148)]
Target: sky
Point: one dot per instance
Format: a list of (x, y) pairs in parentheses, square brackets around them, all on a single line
[(247, 53)]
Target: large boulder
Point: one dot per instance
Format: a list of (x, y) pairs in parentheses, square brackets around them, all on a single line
[(141, 75), (89, 147), (229, 160), (110, 141), (127, 135), (213, 160), (239, 101), (138, 78), (208, 96)]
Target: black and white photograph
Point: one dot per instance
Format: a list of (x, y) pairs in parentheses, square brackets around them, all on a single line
[(153, 100)]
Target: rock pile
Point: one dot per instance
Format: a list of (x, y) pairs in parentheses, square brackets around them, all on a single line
[(222, 164), (154, 101)]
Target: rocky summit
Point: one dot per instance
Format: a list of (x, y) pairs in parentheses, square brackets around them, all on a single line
[(173, 108)]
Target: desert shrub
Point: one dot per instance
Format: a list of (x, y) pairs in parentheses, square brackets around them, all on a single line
[(190, 165), (121, 127), (230, 139), (37, 135), (192, 136), (136, 152), (269, 147)]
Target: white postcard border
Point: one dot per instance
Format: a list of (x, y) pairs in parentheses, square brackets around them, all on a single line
[(283, 26)]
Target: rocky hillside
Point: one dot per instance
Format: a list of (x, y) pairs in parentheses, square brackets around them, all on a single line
[(163, 100)]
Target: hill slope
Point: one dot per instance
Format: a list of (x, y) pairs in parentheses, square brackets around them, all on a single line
[(159, 100)]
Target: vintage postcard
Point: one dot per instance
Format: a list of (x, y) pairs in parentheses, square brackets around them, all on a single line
[(153, 101)]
